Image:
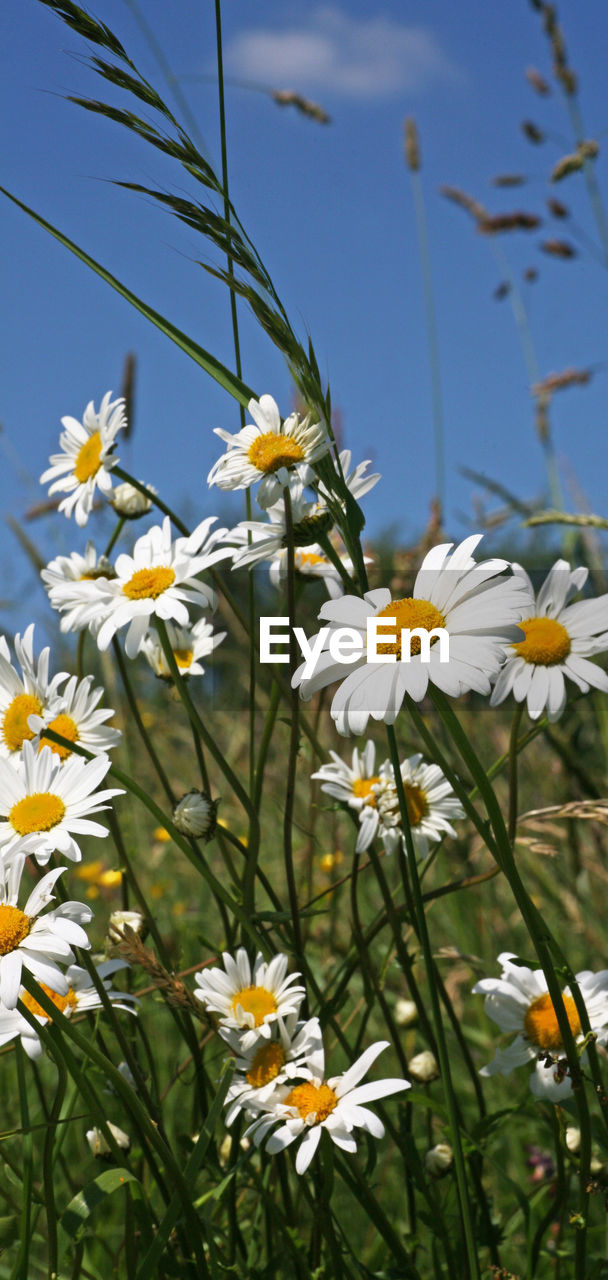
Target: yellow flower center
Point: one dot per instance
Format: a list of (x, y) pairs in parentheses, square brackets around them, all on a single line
[(255, 1000), (547, 642), (14, 927), (308, 559), (541, 1025), (65, 726), (410, 613), (15, 729), (38, 812), (266, 1064), (88, 458), (272, 450), (416, 803), (65, 1003), (362, 789), (183, 658), (312, 1100), (148, 584)]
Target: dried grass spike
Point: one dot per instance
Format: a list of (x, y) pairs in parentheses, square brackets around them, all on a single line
[(532, 132), (558, 248), (538, 82), (288, 98), (412, 145)]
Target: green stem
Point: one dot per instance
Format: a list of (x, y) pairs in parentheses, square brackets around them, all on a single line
[(48, 1171), (513, 750), (442, 1049), (143, 733), (433, 343), (294, 738), (21, 1268)]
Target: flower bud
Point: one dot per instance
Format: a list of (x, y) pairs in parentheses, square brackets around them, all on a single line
[(129, 502), (439, 1159), (98, 1143), (196, 815), (573, 1139), (405, 1013), (423, 1067), (118, 919)]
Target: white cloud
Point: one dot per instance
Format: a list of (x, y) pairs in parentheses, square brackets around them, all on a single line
[(354, 57)]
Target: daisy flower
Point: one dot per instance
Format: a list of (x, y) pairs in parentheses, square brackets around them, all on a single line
[(268, 450), (559, 639), (355, 480), (519, 1001), (250, 1002), (311, 562), (85, 461), (39, 942), (294, 1051), (477, 608), (25, 695), (69, 581), (258, 540), (353, 784), (334, 1105), (75, 714), (80, 997), (45, 803), (189, 645), (430, 801), (158, 579)]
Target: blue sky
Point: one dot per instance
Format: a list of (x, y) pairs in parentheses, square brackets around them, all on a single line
[(331, 211)]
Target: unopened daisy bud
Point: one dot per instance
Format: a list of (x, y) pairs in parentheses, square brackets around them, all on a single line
[(439, 1159), (121, 919), (423, 1067), (129, 502), (196, 815), (405, 1013), (98, 1143), (573, 1139)]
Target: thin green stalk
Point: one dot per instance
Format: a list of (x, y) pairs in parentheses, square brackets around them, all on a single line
[(294, 739), (118, 528), (595, 197), (143, 733), (513, 752), (21, 1268), (442, 1049), (48, 1170), (432, 339), (239, 371), (265, 741)]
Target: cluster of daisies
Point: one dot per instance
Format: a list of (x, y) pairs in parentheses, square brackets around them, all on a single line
[(372, 796), (48, 796), (279, 1082), (504, 639)]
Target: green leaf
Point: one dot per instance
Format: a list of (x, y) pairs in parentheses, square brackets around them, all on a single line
[(229, 381), (79, 1210)]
